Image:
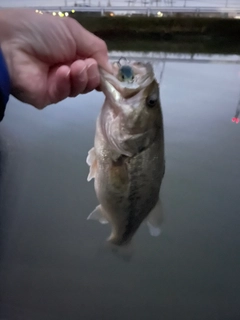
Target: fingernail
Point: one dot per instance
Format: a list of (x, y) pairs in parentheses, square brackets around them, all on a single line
[(108, 67), (82, 71), (92, 71)]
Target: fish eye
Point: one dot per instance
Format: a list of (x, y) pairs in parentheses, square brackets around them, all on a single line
[(151, 101)]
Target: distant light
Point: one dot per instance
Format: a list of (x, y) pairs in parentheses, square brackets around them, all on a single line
[(40, 12), (73, 11), (237, 16), (236, 120), (111, 14), (66, 14), (60, 14), (36, 11), (159, 14)]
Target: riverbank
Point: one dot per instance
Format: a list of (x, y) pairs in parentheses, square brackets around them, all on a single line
[(202, 35)]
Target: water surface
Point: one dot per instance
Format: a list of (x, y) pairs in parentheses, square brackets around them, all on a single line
[(53, 264)]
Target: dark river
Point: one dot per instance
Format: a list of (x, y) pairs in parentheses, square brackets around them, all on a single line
[(53, 262)]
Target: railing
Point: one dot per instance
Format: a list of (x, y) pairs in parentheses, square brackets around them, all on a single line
[(143, 9)]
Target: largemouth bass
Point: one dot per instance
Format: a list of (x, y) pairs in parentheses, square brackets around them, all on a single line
[(127, 161)]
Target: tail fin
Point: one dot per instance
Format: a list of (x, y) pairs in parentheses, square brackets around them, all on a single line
[(124, 252)]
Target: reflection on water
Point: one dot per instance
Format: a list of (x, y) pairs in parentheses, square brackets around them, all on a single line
[(179, 57), (53, 264)]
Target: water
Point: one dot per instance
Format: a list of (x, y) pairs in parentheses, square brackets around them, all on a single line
[(53, 264)]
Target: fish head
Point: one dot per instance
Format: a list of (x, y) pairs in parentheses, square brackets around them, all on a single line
[(132, 105)]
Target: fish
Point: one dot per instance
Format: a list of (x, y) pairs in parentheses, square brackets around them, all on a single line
[(127, 161)]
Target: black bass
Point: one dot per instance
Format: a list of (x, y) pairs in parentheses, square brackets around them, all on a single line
[(127, 161)]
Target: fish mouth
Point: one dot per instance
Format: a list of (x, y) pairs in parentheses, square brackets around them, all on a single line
[(127, 77)]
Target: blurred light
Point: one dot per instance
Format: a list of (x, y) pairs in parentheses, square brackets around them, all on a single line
[(237, 16), (36, 11), (40, 12), (73, 11), (236, 120), (111, 14), (54, 14), (66, 14), (159, 14), (60, 14)]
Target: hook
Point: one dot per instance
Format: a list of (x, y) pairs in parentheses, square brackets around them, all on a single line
[(119, 61)]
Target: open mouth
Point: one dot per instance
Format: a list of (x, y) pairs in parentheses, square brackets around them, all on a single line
[(127, 77)]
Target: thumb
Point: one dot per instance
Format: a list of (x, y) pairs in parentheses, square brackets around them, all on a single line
[(88, 45)]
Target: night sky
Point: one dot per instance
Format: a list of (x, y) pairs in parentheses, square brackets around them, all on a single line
[(19, 3)]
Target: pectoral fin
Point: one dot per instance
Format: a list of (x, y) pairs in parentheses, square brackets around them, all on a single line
[(98, 215), (155, 219), (92, 162)]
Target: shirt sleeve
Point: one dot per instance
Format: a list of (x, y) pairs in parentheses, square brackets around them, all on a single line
[(4, 85)]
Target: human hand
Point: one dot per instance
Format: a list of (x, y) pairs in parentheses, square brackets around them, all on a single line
[(49, 58)]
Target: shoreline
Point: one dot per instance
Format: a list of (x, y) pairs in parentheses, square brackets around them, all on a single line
[(177, 34)]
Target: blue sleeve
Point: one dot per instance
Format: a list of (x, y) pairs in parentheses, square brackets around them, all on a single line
[(4, 85)]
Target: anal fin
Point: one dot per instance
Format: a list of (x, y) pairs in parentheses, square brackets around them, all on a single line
[(155, 220), (97, 214)]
